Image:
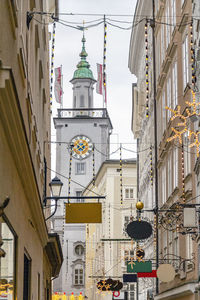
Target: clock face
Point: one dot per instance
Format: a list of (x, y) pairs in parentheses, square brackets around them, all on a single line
[(82, 147)]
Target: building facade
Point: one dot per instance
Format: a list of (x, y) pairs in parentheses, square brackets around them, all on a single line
[(29, 255), (83, 133), (175, 28), (105, 258)]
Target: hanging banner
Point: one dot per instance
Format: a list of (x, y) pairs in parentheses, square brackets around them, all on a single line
[(58, 85), (129, 277), (99, 80), (136, 266), (83, 213), (152, 274)]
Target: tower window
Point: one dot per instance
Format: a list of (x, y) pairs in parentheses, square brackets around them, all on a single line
[(90, 101), (80, 168), (82, 101), (79, 250), (78, 275)]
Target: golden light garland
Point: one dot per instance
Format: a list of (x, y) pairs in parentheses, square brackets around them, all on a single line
[(52, 63), (121, 185), (147, 69), (151, 166), (70, 172), (93, 165), (192, 51), (104, 60), (183, 174), (182, 125)]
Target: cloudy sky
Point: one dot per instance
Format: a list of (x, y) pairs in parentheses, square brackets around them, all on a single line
[(119, 79)]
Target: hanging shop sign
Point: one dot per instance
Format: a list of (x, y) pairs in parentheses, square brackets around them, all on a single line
[(109, 285), (83, 213), (136, 266), (129, 277), (166, 273), (152, 274), (139, 230)]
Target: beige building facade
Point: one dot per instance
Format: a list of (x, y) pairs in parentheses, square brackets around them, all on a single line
[(105, 258), (30, 256), (174, 41)]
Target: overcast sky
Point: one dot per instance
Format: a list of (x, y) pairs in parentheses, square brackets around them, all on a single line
[(119, 79)]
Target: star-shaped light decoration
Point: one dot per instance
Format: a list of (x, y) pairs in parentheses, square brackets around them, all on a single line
[(103, 287), (178, 132), (196, 140), (131, 262), (194, 106)]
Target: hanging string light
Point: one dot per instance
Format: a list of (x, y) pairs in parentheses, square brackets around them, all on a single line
[(120, 164), (192, 51), (70, 171), (183, 174), (104, 59), (93, 165), (52, 64), (154, 235), (151, 166), (147, 69), (109, 229)]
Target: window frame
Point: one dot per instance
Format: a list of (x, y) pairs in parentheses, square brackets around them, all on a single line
[(78, 168)]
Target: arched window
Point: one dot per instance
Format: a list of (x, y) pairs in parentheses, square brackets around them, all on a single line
[(82, 101), (90, 101)]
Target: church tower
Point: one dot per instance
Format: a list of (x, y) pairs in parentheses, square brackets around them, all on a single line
[(81, 128)]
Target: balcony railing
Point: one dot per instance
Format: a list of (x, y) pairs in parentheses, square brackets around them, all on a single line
[(84, 112)]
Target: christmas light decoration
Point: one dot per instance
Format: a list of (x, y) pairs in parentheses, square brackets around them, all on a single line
[(52, 63), (104, 60), (183, 174), (196, 142), (181, 124), (151, 166), (120, 163), (193, 105), (192, 51), (93, 165), (70, 170), (147, 69)]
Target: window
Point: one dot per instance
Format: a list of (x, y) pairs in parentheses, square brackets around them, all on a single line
[(187, 158), (175, 170), (78, 275), (168, 30), (174, 86), (79, 194), (74, 101), (169, 174), (7, 261), (163, 111), (27, 274), (79, 250), (185, 62), (176, 244), (162, 43), (80, 168), (163, 184), (173, 12), (189, 246), (168, 97), (82, 101), (129, 193)]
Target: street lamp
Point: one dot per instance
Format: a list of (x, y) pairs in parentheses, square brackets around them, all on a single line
[(55, 186)]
